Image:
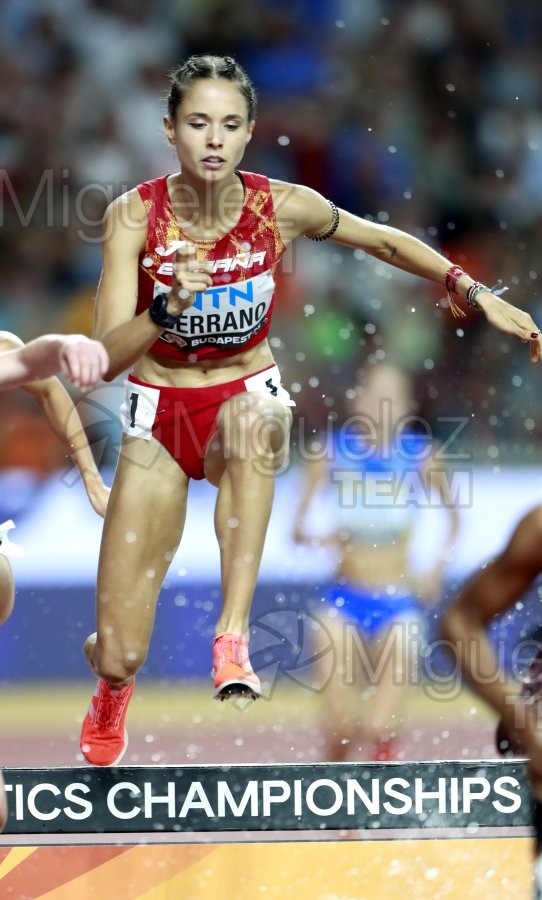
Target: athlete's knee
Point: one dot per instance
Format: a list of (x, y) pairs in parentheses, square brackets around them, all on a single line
[(254, 426)]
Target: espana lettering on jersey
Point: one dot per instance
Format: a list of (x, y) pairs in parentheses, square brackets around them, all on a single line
[(229, 264)]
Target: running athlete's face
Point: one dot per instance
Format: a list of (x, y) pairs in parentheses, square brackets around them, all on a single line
[(211, 129)]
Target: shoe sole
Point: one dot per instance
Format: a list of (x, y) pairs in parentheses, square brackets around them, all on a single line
[(231, 690), (123, 751)]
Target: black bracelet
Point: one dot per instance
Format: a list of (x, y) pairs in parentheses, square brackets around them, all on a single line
[(332, 228), (159, 314)]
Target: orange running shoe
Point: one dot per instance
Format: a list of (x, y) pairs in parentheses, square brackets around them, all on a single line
[(232, 672), (103, 736)]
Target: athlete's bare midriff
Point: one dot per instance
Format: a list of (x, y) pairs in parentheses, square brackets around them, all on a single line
[(373, 566), (204, 372)]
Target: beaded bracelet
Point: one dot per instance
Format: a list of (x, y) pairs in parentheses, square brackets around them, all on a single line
[(475, 288), (332, 228)]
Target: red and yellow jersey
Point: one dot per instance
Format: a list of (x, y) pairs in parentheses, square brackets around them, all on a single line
[(235, 313)]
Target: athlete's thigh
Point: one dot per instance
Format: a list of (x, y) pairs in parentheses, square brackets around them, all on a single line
[(248, 425)]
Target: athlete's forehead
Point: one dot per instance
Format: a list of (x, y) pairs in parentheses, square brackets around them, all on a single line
[(215, 98)]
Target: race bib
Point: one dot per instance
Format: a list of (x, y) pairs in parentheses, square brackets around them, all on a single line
[(269, 382), (138, 409)]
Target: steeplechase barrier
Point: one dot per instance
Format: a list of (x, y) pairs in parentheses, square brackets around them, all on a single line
[(305, 797), (341, 831)]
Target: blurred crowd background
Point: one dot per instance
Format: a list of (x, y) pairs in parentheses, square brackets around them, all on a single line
[(426, 115)]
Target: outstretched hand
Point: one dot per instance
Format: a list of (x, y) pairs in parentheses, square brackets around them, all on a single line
[(511, 320), (82, 360)]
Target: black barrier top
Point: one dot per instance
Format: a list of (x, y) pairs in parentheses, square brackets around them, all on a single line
[(443, 794)]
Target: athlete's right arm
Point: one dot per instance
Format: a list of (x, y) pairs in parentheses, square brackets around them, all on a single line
[(81, 360), (125, 336)]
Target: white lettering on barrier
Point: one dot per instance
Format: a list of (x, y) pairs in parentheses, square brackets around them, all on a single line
[(420, 795), (112, 796), (151, 800), (71, 797), (268, 797), (196, 798), (470, 791), (499, 788), (32, 797), (256, 799), (324, 811), (391, 791), (32, 804), (354, 789), (224, 795)]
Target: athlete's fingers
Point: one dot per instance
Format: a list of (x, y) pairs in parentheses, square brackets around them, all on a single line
[(185, 254)]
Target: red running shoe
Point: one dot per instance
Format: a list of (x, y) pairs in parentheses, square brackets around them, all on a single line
[(232, 672), (103, 736), (531, 692)]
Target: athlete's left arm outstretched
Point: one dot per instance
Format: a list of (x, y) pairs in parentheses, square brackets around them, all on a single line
[(302, 211)]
